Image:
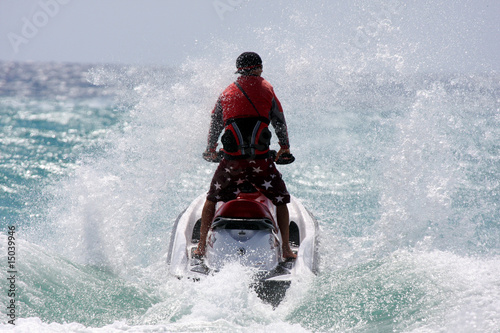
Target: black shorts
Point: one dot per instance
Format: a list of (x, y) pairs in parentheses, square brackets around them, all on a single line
[(232, 175)]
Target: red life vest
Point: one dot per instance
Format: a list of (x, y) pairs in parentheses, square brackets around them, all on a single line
[(246, 106)]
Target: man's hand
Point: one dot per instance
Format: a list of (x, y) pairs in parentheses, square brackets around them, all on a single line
[(281, 151), (210, 156), (284, 157)]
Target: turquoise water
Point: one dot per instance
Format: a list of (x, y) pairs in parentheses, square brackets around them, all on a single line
[(401, 170)]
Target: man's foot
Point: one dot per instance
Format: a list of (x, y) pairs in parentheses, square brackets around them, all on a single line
[(288, 254), (198, 252)]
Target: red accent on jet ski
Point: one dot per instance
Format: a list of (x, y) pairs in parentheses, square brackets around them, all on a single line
[(247, 205)]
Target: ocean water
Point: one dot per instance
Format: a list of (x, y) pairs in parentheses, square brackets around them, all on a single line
[(401, 168)]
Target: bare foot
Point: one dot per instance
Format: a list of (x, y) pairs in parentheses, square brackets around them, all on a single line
[(199, 252), (288, 254)]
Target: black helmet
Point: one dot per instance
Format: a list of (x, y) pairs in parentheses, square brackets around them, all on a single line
[(247, 61)]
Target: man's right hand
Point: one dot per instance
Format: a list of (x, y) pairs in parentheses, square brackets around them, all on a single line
[(284, 157), (282, 151)]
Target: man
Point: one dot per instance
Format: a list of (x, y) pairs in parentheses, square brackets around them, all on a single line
[(244, 110)]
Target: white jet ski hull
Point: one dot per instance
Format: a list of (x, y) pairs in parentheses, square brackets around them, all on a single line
[(273, 277)]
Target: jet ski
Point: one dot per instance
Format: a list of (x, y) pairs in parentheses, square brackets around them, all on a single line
[(245, 230)]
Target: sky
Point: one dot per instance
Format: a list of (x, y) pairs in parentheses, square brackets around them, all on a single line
[(438, 35)]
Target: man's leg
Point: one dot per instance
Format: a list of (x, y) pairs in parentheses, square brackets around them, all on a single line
[(284, 225), (207, 215)]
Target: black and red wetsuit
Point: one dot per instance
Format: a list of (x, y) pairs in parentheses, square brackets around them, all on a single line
[(246, 125), (246, 140)]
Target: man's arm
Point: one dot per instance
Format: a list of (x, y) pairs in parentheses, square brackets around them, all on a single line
[(216, 127), (277, 118)]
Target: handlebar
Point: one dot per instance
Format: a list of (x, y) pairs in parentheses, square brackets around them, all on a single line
[(285, 158)]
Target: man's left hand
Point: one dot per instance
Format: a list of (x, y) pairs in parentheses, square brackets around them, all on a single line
[(210, 156)]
